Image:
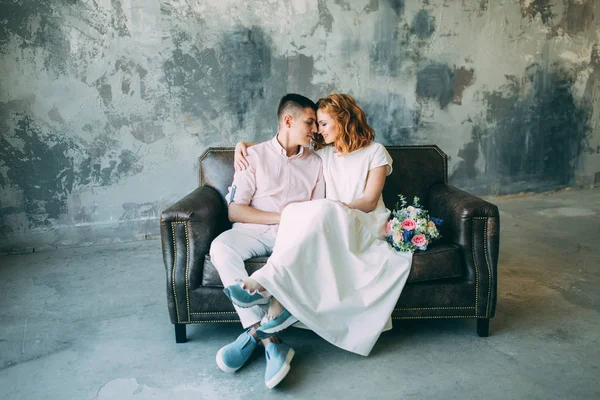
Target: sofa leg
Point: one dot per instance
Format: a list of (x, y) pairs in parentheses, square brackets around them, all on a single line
[(180, 336), (483, 327)]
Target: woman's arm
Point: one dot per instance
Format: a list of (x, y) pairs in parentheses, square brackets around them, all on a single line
[(239, 159), (375, 180)]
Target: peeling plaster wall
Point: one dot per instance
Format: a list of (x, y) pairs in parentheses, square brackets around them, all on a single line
[(105, 105)]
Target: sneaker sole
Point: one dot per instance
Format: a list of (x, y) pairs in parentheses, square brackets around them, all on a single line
[(283, 371), (222, 365), (257, 302), (265, 333)]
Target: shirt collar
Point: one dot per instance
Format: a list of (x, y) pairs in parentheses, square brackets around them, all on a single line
[(282, 151)]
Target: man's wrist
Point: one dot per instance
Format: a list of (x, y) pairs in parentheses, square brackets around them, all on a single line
[(276, 218)]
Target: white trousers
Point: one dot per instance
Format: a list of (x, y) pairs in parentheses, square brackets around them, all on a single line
[(229, 251)]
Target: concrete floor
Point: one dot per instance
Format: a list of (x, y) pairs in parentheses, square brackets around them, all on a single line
[(92, 323)]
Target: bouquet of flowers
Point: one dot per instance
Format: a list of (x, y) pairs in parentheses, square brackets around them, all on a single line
[(410, 227)]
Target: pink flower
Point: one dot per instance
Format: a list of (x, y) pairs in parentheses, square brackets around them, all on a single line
[(388, 229), (409, 224), (419, 240)]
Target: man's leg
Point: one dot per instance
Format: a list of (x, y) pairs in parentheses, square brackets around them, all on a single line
[(228, 253)]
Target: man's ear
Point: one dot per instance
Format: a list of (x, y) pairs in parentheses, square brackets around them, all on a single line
[(287, 121)]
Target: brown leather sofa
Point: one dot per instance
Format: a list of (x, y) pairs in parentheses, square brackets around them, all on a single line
[(454, 278)]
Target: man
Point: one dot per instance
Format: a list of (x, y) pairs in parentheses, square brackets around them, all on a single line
[(280, 172)]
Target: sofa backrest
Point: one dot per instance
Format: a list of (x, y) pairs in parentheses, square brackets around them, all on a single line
[(415, 170)]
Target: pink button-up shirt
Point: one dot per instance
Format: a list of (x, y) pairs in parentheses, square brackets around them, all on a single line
[(273, 180)]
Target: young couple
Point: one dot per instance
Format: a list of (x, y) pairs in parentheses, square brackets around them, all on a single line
[(320, 216)]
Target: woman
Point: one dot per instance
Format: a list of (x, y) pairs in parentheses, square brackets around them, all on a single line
[(331, 267)]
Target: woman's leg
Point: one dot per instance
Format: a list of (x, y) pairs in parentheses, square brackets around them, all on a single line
[(252, 286), (276, 320), (275, 308)]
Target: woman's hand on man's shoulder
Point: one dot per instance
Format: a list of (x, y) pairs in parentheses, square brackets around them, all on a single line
[(240, 162)]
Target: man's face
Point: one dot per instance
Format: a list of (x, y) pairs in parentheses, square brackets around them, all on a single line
[(328, 127), (304, 125)]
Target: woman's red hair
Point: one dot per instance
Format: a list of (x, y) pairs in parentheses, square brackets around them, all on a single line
[(355, 132)]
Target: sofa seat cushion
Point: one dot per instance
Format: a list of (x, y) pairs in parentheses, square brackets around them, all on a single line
[(442, 261)]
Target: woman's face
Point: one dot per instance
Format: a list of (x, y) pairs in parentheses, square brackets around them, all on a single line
[(328, 127)]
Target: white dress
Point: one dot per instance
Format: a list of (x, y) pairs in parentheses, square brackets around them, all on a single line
[(331, 266)]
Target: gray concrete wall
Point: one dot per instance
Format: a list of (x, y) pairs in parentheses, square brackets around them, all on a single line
[(105, 105)]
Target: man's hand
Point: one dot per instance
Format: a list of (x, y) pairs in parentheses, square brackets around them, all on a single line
[(241, 152)]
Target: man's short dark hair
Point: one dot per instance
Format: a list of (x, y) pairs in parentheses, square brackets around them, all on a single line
[(291, 103)]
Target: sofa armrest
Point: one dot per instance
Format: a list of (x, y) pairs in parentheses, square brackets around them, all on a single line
[(474, 225), (459, 203), (187, 229)]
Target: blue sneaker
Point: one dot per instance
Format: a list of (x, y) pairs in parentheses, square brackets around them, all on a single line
[(232, 357), (244, 299), (278, 357), (269, 327)]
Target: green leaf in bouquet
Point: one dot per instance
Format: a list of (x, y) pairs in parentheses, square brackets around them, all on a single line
[(416, 202)]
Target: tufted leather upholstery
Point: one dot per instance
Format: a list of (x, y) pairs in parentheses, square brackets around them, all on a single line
[(455, 278)]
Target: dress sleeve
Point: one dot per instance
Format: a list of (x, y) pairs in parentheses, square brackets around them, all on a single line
[(380, 157)]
